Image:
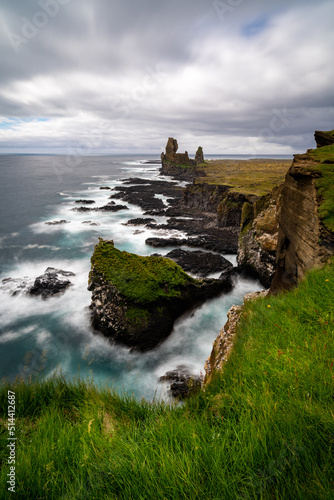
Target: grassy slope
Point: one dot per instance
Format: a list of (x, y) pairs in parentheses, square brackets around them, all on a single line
[(262, 429), (257, 177), (142, 279)]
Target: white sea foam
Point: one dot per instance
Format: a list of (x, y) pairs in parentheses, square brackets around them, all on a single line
[(58, 328)]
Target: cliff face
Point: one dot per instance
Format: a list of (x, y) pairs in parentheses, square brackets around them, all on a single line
[(323, 138), (298, 219), (223, 344), (250, 224), (259, 236), (303, 240)]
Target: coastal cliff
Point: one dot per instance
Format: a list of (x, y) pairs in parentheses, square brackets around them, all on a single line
[(296, 219), (237, 201), (305, 216)]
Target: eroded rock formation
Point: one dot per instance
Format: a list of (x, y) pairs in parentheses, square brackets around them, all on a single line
[(135, 300), (303, 240), (323, 138), (258, 237), (179, 164)]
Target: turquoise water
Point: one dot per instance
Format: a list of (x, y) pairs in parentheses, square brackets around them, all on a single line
[(40, 337)]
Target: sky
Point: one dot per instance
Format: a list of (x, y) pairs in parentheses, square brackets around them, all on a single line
[(121, 76)]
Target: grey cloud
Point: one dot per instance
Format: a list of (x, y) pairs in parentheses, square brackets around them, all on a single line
[(225, 72)]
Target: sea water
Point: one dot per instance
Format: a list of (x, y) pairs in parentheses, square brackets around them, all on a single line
[(39, 337)]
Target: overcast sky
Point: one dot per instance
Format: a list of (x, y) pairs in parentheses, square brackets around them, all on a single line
[(119, 76)]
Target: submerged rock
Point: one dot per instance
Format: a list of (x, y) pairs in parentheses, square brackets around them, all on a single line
[(183, 381), (91, 223), (135, 299), (110, 207), (46, 285), (140, 221), (85, 202), (199, 262), (203, 241), (55, 222), (49, 284), (16, 285), (82, 209)]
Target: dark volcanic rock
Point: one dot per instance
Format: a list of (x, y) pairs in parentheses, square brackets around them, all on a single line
[(203, 241), (90, 223), (171, 154), (82, 209), (55, 222), (142, 192), (105, 187), (180, 166), (111, 207), (151, 162), (49, 284), (140, 221), (85, 202), (199, 262), (183, 381), (135, 299), (323, 138), (199, 156)]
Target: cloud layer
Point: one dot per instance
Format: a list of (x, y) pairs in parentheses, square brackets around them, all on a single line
[(113, 77)]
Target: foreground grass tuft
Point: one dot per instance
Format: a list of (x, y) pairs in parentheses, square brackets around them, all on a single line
[(262, 429)]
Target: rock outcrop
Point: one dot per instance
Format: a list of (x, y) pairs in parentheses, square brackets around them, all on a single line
[(47, 285), (135, 300), (324, 138), (223, 344), (258, 237), (183, 382), (179, 164), (200, 263)]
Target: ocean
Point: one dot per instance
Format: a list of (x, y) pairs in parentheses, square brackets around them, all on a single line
[(39, 338)]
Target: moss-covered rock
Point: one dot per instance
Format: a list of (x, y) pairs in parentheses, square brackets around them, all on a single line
[(136, 299)]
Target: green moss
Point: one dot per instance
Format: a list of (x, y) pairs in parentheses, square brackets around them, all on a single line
[(138, 316), (246, 217), (141, 279)]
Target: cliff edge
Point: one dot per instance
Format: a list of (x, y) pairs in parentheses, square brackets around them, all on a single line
[(306, 215)]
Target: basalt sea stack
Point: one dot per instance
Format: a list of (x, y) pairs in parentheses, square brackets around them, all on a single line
[(136, 299)]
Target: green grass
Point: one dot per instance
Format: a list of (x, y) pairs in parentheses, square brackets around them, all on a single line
[(262, 429), (253, 177), (141, 279)]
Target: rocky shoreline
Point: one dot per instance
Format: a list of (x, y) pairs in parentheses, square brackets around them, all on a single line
[(206, 219), (212, 216)]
